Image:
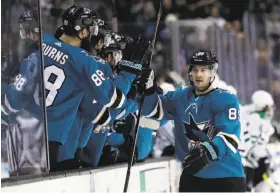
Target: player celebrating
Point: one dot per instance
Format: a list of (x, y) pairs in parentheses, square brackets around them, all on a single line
[(207, 128), (69, 73)]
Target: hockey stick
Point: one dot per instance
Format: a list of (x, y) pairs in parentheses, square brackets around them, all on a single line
[(115, 26), (131, 158), (42, 87), (268, 182)]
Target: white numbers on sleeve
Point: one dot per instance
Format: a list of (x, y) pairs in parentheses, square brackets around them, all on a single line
[(19, 82), (233, 114)]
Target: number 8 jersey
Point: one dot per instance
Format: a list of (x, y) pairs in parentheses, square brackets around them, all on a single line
[(213, 116), (69, 73)]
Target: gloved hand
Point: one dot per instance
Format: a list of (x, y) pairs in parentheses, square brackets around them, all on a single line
[(126, 125), (134, 55), (146, 82), (200, 157), (137, 50)]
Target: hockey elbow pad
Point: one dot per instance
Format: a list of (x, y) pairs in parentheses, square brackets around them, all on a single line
[(200, 157)]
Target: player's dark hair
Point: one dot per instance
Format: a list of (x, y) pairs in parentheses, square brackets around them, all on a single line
[(70, 31), (58, 33)]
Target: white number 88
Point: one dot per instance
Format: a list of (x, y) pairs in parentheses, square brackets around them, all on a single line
[(98, 77)]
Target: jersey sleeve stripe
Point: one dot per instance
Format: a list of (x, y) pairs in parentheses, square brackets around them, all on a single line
[(160, 110), (157, 112), (98, 117), (121, 114), (119, 100), (113, 99), (230, 146), (3, 122), (8, 108), (4, 111), (230, 140), (232, 136), (105, 118), (154, 111)]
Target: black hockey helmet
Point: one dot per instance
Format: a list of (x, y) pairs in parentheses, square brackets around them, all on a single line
[(28, 23), (104, 34), (79, 18), (115, 47), (204, 58)]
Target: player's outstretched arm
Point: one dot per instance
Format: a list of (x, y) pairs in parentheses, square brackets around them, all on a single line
[(156, 106), (20, 93), (100, 86)]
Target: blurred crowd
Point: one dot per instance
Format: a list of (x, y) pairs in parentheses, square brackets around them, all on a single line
[(139, 16)]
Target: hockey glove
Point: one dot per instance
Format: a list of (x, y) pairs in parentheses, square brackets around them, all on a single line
[(126, 125), (137, 50), (109, 156), (200, 157), (133, 56), (146, 83)]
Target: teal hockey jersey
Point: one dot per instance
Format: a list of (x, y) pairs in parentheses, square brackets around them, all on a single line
[(69, 73), (213, 116)]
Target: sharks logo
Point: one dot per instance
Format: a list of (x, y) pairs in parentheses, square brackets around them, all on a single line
[(192, 107), (196, 131)]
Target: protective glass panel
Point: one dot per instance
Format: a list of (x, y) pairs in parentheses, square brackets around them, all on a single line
[(23, 141)]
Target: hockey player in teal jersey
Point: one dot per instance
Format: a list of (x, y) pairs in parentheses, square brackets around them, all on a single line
[(93, 148), (93, 115), (207, 128), (69, 73)]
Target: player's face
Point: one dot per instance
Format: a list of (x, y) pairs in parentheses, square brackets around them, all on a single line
[(83, 34), (32, 36), (201, 76), (99, 44), (109, 59)]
